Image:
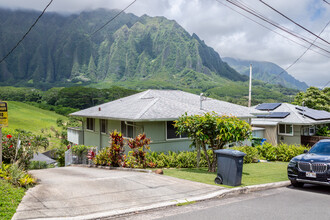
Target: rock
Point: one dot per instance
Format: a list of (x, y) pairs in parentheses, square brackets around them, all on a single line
[(159, 171)]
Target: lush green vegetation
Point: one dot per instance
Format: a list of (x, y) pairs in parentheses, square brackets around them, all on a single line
[(35, 120), (10, 197), (133, 52), (132, 47), (213, 132), (314, 98), (30, 118), (64, 100), (281, 152), (253, 174)]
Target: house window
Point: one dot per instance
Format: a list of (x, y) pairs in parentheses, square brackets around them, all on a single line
[(127, 129), (90, 124), (285, 129), (103, 126), (171, 131)]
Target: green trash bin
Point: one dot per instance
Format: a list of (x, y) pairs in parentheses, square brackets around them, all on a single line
[(230, 167)]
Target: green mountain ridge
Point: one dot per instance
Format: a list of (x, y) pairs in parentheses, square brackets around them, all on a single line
[(265, 71), (60, 49), (132, 52)]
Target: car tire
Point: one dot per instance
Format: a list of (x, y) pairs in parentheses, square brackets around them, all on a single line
[(218, 180), (296, 184)]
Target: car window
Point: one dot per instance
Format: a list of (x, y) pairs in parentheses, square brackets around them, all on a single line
[(321, 148)]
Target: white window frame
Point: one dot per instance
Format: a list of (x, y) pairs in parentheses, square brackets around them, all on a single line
[(286, 134), (173, 139)]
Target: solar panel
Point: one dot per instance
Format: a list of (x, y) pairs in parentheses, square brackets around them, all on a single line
[(268, 106), (314, 114), (275, 115)]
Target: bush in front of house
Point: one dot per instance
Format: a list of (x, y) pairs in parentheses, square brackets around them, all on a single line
[(80, 151), (15, 175), (18, 146), (267, 151), (102, 158), (137, 155), (252, 155), (183, 159)]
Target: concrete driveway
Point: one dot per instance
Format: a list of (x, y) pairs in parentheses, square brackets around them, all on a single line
[(88, 193)]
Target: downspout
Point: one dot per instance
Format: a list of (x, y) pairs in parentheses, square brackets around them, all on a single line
[(100, 145), (136, 126), (83, 132)]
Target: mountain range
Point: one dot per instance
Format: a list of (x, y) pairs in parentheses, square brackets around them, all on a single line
[(61, 48), (133, 52), (266, 71)]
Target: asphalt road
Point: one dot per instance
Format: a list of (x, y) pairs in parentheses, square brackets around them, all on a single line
[(310, 202)]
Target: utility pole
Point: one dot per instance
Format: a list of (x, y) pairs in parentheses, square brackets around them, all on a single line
[(3, 123), (250, 86), (0, 146)]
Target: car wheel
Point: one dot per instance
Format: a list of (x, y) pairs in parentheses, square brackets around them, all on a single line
[(218, 180), (296, 184)]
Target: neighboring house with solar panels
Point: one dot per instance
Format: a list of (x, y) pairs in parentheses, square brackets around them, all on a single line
[(151, 112), (289, 123)]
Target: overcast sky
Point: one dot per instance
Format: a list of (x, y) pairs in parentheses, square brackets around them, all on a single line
[(228, 32)]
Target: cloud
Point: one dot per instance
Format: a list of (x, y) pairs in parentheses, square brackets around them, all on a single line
[(228, 32)]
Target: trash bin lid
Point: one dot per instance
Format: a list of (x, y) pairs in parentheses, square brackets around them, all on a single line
[(230, 152)]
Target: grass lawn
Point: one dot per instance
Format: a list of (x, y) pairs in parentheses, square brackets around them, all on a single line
[(253, 173), (30, 118), (10, 197)]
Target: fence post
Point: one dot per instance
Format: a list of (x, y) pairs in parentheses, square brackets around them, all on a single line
[(68, 157)]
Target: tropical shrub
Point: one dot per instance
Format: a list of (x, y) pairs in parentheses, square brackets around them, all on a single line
[(21, 153), (60, 155), (103, 157), (16, 176), (184, 159), (251, 153), (281, 152), (323, 131), (116, 151), (80, 151), (267, 151), (139, 145), (212, 131)]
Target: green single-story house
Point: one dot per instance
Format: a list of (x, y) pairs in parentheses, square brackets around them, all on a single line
[(151, 112), (290, 124)]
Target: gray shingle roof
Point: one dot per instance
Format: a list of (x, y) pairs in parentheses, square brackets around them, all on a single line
[(294, 118), (157, 105)]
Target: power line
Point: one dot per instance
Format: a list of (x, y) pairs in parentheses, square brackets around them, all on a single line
[(270, 29), (299, 56), (26, 32), (326, 2), (274, 24), (293, 21), (113, 18)]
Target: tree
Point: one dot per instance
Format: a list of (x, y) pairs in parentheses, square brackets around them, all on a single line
[(314, 98), (213, 131)]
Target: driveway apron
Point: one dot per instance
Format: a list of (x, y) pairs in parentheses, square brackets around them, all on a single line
[(87, 193)]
